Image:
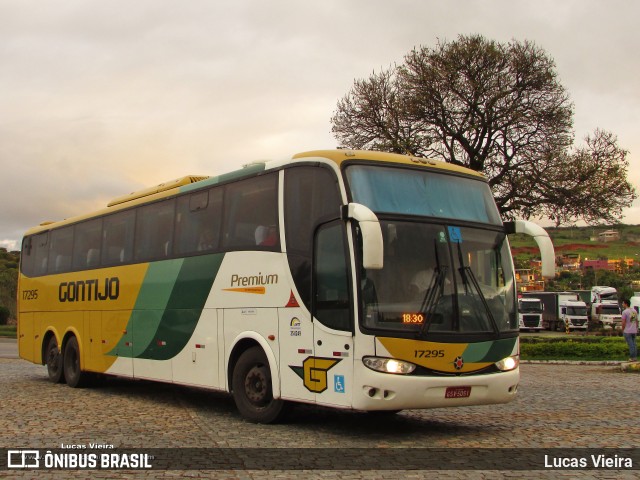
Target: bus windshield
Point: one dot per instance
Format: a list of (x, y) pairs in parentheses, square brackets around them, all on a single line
[(439, 279), (411, 191)]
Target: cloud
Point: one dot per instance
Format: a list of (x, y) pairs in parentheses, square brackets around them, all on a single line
[(102, 98)]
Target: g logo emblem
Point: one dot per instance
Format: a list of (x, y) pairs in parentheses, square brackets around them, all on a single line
[(314, 372)]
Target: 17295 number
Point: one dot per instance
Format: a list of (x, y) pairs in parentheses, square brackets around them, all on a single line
[(30, 294), (429, 353)]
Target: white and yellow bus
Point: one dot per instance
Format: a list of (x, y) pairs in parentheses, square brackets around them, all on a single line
[(352, 279)]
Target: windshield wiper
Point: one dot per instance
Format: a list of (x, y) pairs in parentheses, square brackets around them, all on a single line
[(468, 277), (433, 293), (432, 298)]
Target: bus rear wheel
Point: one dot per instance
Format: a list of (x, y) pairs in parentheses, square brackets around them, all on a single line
[(252, 392), (53, 359), (72, 372)]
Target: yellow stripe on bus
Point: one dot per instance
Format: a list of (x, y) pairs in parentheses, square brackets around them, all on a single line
[(432, 355)]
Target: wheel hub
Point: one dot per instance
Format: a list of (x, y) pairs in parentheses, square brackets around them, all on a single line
[(256, 385)]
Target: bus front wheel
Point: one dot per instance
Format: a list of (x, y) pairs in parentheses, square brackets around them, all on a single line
[(252, 392), (72, 372), (53, 359)]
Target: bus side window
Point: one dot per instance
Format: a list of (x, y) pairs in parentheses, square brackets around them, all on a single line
[(154, 231), (198, 220), (27, 257), (42, 253), (311, 196), (332, 305), (35, 255), (118, 238), (60, 250), (249, 204), (87, 244)]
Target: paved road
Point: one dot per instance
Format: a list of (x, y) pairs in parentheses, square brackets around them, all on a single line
[(558, 406), (8, 348)]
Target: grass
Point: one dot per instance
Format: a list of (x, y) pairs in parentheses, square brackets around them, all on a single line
[(8, 331), (589, 348)]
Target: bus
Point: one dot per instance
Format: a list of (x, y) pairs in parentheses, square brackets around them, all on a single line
[(351, 279)]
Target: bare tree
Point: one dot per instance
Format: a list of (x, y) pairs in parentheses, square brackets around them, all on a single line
[(495, 108), (589, 183)]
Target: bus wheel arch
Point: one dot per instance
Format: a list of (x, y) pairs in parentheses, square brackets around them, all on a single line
[(240, 345), (52, 357), (251, 384)]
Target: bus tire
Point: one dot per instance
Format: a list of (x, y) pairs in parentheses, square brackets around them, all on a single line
[(53, 360), (252, 390), (72, 372)]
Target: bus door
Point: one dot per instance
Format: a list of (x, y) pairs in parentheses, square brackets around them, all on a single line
[(330, 375), (26, 344), (95, 359)]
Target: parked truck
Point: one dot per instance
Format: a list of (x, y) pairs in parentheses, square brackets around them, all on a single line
[(634, 302), (530, 313), (573, 315), (606, 315), (605, 310), (601, 294), (561, 310)]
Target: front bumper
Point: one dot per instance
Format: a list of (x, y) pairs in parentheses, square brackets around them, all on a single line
[(382, 391)]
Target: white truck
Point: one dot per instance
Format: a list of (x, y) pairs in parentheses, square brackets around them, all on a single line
[(530, 313), (573, 314), (605, 310), (634, 302), (601, 294), (560, 308), (607, 315)]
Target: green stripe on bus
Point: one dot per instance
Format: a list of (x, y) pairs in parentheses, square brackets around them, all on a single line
[(499, 349), (476, 352), (248, 171), (184, 307), (150, 305), (489, 351)]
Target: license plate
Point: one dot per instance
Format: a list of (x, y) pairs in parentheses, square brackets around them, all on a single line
[(457, 392)]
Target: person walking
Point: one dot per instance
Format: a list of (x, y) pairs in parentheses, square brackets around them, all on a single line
[(630, 329)]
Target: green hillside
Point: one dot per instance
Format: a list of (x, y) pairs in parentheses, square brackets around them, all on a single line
[(8, 284), (583, 241), (580, 240)]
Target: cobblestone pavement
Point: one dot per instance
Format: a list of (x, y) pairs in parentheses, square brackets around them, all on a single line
[(565, 406)]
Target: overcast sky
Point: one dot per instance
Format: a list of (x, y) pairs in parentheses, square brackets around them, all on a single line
[(100, 98)]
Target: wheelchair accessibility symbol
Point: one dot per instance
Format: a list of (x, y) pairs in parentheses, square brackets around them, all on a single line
[(338, 383)]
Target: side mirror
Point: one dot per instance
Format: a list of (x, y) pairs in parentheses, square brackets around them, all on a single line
[(539, 234), (372, 244)]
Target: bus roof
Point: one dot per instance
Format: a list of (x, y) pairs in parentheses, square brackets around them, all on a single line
[(163, 187), (192, 182), (340, 156)]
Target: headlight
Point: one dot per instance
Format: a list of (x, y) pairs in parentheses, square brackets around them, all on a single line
[(509, 363), (388, 365)]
